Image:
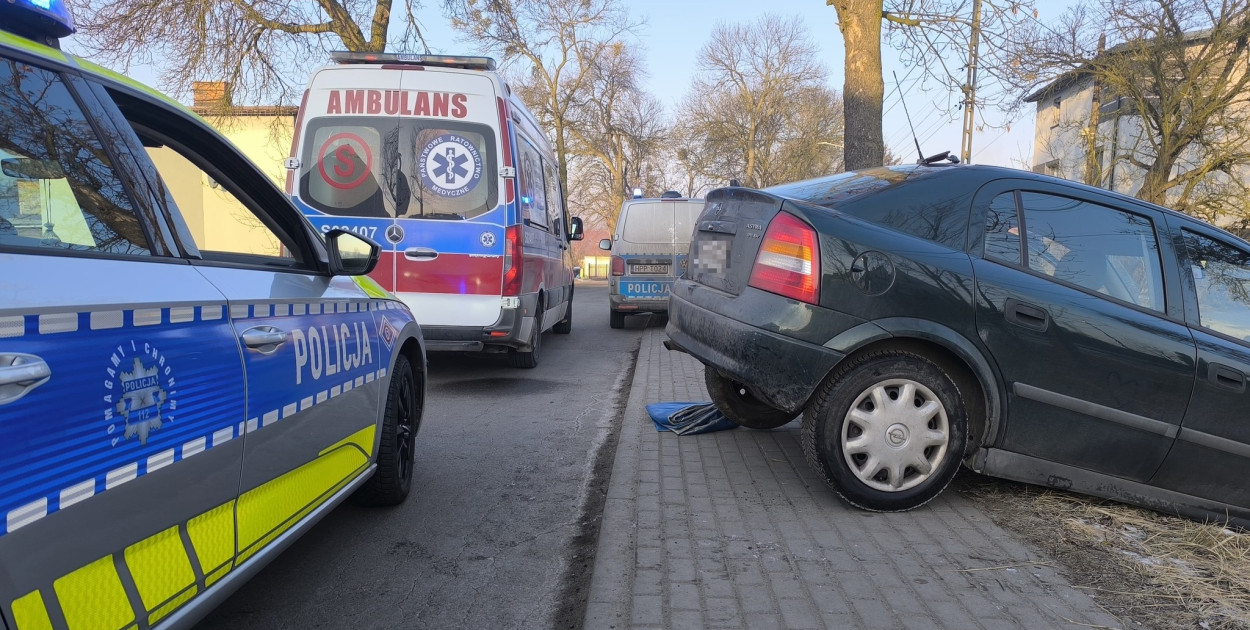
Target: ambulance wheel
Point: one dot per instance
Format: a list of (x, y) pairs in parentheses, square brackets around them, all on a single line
[(527, 360), (392, 480), (618, 319), (565, 326)]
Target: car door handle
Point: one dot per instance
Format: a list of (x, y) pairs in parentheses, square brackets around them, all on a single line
[(20, 373), (420, 253), (1226, 377), (1027, 315), (264, 339)]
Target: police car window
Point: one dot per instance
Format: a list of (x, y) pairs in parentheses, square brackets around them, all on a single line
[(58, 189), (221, 225), (1221, 275), (533, 193), (387, 167)]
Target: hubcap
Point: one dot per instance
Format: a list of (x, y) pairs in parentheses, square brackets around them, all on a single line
[(895, 435)]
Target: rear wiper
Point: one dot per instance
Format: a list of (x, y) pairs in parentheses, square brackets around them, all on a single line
[(441, 215)]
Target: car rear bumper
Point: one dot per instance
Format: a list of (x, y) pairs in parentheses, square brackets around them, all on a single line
[(512, 330), (779, 370)]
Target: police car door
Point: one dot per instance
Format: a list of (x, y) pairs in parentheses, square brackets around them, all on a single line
[(121, 389), (311, 349)]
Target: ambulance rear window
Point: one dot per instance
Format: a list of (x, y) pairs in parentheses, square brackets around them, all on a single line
[(388, 167)]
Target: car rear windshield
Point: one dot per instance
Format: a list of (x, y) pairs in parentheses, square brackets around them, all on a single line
[(389, 167), (835, 189), (660, 222)]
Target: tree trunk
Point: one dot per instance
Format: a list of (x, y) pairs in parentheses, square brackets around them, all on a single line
[(864, 89)]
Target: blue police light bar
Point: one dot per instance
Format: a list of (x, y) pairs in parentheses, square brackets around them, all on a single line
[(446, 61), (38, 19)]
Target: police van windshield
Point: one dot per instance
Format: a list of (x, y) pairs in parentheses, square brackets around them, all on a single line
[(660, 222), (384, 167)]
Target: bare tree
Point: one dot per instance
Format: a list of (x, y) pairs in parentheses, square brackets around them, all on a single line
[(1177, 72), (759, 102), (617, 132), (559, 40), (934, 36), (254, 46)]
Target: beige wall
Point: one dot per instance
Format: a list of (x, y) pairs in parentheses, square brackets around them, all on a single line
[(216, 220)]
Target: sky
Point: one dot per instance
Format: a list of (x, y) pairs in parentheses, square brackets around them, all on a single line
[(675, 30)]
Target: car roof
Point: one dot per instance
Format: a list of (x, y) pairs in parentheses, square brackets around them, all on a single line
[(973, 175)]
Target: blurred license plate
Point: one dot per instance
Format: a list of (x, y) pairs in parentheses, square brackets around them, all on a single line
[(661, 269)]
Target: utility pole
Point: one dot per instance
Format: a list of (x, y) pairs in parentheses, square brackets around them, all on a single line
[(970, 88)]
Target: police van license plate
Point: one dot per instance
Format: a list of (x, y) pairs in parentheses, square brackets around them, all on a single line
[(658, 269)]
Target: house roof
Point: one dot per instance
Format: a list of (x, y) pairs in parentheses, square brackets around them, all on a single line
[(1076, 74)]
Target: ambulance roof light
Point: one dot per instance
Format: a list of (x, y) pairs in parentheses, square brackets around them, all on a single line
[(37, 19), (448, 61)]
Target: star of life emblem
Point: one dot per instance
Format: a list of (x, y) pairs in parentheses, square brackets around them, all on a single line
[(450, 165)]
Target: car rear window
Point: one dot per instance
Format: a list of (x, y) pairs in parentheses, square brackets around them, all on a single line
[(409, 167), (660, 222), (941, 217)]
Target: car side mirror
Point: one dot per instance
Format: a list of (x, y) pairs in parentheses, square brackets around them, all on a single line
[(351, 254), (606, 244), (576, 231), (31, 168)]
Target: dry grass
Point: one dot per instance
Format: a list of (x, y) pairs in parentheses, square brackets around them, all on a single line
[(1200, 571)]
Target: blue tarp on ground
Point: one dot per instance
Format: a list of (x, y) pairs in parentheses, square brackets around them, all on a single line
[(688, 418)]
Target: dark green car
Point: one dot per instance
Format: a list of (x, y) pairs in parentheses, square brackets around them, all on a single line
[(1032, 328)]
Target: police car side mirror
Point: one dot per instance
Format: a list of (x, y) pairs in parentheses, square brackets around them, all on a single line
[(350, 253), (576, 230), (605, 244)]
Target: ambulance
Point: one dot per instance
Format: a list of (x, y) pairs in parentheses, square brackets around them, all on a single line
[(438, 160), (191, 376)]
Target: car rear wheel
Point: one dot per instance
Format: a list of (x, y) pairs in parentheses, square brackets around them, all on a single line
[(887, 431), (745, 410), (565, 326), (392, 480), (529, 359), (617, 319)]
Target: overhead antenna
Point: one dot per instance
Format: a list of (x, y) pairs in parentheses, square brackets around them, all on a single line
[(899, 86)]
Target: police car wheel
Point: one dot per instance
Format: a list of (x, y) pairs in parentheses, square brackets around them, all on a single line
[(527, 360), (392, 480)]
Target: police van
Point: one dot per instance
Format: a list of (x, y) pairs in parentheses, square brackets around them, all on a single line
[(649, 250), (190, 374), (437, 159)]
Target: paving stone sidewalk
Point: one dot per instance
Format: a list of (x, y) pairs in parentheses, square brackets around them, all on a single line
[(732, 530)]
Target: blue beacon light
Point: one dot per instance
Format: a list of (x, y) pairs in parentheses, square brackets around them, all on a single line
[(37, 19)]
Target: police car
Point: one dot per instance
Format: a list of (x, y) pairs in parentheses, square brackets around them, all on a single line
[(190, 376)]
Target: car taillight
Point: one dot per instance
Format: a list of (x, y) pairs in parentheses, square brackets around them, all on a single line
[(618, 266), (512, 261), (788, 262)]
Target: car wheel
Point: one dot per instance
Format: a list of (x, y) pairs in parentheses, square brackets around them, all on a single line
[(392, 480), (565, 326), (745, 410), (617, 320), (887, 431), (529, 359)]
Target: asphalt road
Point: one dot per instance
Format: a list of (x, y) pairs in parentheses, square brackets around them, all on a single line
[(499, 530)]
